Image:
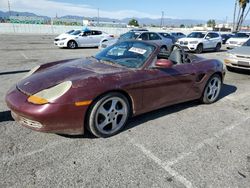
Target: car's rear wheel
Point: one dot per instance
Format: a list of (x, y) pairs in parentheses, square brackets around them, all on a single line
[(72, 44), (218, 47), (212, 89), (108, 115), (199, 49)]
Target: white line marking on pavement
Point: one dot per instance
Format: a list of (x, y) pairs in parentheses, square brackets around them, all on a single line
[(25, 57), (167, 165), (163, 165), (205, 142)]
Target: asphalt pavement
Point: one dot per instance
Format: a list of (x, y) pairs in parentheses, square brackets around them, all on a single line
[(185, 145)]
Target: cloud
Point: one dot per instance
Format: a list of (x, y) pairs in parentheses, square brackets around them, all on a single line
[(51, 8)]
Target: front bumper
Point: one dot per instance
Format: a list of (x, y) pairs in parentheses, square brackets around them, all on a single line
[(238, 63), (231, 46), (52, 118), (60, 44), (189, 47)]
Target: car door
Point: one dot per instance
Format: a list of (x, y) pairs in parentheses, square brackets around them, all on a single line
[(207, 41), (84, 39), (215, 39), (164, 87), (144, 36), (96, 37)]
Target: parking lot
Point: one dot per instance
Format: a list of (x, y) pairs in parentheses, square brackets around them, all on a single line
[(186, 145)]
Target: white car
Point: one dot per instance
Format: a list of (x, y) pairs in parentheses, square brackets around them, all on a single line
[(237, 40), (66, 34), (88, 38), (200, 41), (239, 58), (164, 42)]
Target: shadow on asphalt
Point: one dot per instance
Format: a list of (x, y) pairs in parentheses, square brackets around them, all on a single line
[(138, 120), (239, 71), (6, 116), (227, 90)]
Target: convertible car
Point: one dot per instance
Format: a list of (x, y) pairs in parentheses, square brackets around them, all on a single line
[(101, 92)]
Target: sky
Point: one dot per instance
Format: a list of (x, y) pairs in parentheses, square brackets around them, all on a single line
[(181, 9)]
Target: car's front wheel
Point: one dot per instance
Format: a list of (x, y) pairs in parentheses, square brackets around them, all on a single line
[(72, 44), (218, 47), (212, 89), (108, 115), (199, 49)]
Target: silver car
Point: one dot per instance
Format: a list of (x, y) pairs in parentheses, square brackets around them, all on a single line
[(165, 43), (239, 58)]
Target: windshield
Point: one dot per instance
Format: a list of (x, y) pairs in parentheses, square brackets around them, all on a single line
[(241, 35), (131, 54), (165, 35), (76, 32), (196, 35), (247, 43), (129, 35), (71, 31)]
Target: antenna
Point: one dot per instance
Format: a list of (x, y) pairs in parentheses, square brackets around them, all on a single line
[(98, 16), (162, 18)]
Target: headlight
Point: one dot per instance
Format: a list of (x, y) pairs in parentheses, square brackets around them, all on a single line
[(50, 94), (231, 55), (241, 43), (31, 71), (63, 39), (194, 42)]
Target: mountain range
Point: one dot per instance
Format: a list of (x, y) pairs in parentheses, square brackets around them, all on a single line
[(142, 21)]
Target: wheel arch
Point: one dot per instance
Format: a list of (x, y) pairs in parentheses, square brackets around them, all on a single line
[(215, 73), (123, 92), (72, 40)]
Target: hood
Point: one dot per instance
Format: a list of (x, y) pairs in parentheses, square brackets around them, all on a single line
[(189, 39), (64, 35), (237, 39), (243, 51), (73, 70)]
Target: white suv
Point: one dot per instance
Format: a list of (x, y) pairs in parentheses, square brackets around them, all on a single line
[(200, 41)]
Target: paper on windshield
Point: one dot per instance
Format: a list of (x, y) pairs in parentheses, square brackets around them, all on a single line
[(137, 50)]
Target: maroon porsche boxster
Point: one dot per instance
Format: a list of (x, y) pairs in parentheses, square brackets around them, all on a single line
[(100, 93)]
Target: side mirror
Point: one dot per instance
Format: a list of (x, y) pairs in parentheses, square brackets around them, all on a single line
[(164, 63), (207, 37)]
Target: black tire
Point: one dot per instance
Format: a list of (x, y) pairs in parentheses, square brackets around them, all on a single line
[(199, 49), (112, 121), (210, 93), (72, 44), (218, 47)]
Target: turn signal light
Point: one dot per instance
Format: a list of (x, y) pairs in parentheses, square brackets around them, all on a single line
[(37, 100)]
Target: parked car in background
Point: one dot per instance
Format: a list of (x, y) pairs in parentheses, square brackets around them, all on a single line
[(102, 92), (66, 34), (239, 58), (225, 37), (201, 41), (87, 38), (139, 29), (238, 39), (177, 35), (167, 35), (166, 43)]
